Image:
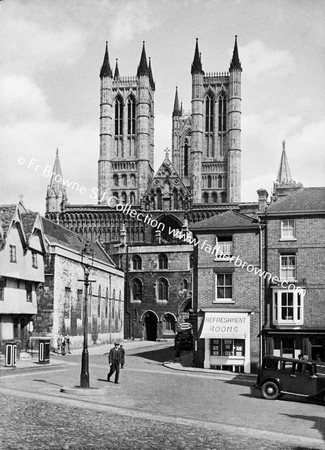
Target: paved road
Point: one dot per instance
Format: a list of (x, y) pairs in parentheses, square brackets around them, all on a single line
[(153, 408)]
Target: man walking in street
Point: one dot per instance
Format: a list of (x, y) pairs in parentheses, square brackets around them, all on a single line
[(122, 352), (114, 359)]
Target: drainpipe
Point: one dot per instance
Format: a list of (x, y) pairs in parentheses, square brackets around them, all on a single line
[(260, 295)]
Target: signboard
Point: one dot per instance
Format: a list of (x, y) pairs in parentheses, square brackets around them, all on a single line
[(184, 315), (224, 325)]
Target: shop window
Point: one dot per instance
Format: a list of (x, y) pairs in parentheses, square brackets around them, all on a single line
[(223, 287), (29, 291), (13, 254), (287, 307), (224, 247), (162, 262), (288, 267), (137, 262), (34, 260), (227, 347), (287, 229)]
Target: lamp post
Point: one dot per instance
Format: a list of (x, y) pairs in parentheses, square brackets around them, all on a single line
[(86, 260)]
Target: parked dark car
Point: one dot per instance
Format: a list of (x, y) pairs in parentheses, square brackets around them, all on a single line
[(279, 376)]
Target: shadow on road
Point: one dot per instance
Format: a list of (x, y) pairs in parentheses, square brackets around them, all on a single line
[(159, 355), (318, 422)]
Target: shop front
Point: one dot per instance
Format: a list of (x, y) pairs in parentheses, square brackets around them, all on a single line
[(226, 338)]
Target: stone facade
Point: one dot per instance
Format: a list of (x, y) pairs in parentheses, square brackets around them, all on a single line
[(61, 299)]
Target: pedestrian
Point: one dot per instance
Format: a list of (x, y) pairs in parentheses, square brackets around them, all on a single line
[(122, 353), (318, 360), (59, 343), (114, 360), (177, 352), (63, 346), (67, 342)]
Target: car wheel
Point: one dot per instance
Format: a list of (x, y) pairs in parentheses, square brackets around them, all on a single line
[(270, 390)]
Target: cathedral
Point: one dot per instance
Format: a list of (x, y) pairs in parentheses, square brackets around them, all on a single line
[(199, 177)]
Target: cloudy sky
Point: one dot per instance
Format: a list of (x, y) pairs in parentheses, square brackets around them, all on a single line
[(51, 52)]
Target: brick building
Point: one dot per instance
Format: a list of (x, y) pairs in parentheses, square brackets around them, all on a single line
[(158, 286), (61, 298), (227, 292), (295, 313)]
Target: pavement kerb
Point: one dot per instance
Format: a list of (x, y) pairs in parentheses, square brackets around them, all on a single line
[(227, 375)]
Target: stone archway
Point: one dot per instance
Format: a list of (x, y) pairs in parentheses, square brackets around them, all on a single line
[(149, 324)]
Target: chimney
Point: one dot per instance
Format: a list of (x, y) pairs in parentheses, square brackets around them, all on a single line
[(262, 199)]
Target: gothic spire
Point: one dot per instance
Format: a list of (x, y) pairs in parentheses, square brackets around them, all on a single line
[(151, 80), (177, 111), (196, 64), (116, 71), (143, 66), (235, 63), (56, 168), (284, 175), (106, 70)]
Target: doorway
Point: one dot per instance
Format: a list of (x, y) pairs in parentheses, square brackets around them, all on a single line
[(150, 324)]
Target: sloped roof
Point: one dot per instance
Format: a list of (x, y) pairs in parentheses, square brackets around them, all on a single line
[(28, 220), (305, 200), (57, 234), (228, 220), (7, 213)]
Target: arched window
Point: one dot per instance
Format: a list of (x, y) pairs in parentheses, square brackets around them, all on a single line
[(137, 262), (175, 198), (219, 181), (132, 197), (209, 112), (118, 116), (159, 200), (115, 180), (205, 197), (124, 180), (131, 115), (209, 181), (223, 197), (186, 151), (162, 289), (132, 178), (222, 113), (123, 197), (185, 284), (162, 262), (214, 197), (136, 290)]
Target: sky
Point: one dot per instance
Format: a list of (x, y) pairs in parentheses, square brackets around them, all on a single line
[(51, 52)]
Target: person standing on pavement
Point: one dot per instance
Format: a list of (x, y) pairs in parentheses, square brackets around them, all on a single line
[(114, 360), (59, 343), (63, 346), (67, 341), (122, 353)]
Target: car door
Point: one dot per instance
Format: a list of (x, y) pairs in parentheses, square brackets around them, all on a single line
[(303, 380)]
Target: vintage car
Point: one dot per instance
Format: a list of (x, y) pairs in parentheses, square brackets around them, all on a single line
[(299, 377), (184, 337)]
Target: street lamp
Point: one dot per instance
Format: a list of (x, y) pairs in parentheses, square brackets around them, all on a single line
[(87, 256)]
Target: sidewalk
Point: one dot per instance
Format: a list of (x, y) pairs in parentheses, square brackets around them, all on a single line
[(186, 364), (57, 360)]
